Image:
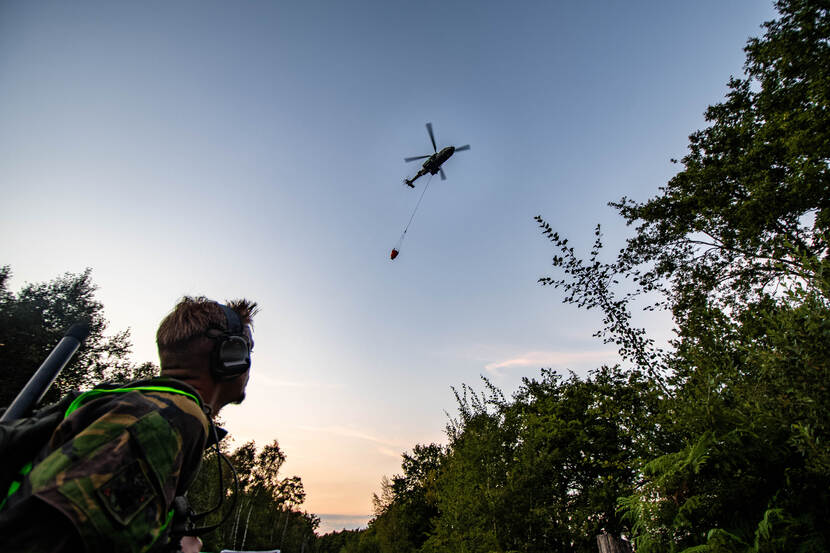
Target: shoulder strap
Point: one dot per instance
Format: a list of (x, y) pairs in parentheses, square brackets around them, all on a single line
[(84, 397)]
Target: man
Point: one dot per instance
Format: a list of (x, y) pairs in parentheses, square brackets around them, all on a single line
[(107, 478)]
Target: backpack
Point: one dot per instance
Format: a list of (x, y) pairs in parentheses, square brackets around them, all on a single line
[(22, 439)]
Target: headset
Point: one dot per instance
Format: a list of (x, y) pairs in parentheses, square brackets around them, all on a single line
[(231, 354)]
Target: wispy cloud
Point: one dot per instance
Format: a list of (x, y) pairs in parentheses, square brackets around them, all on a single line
[(265, 380), (560, 359), (394, 453), (388, 448)]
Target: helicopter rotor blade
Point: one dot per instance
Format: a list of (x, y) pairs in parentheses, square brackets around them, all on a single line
[(462, 148), (432, 137), (414, 158), (443, 176)]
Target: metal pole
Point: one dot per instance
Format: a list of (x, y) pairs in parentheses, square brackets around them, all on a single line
[(39, 384)]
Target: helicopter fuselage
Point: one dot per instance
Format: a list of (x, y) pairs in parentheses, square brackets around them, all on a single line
[(434, 162)]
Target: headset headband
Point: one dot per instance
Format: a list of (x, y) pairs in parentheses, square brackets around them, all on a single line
[(233, 321)]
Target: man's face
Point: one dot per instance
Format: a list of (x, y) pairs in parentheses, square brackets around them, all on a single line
[(244, 383)]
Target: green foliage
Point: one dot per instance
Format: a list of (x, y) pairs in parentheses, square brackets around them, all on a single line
[(335, 542), (591, 285), (578, 446), (751, 208), (407, 506), (755, 431), (265, 515), (33, 321), (472, 486), (737, 244), (365, 541), (539, 472)]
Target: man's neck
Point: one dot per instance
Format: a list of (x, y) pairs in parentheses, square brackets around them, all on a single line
[(204, 385)]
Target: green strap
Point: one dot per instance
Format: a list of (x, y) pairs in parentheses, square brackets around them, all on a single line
[(164, 526), (94, 393), (17, 482)]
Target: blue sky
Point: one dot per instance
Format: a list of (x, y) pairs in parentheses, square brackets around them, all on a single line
[(256, 149)]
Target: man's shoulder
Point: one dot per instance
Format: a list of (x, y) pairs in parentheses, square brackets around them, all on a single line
[(109, 407), (183, 402), (176, 401)]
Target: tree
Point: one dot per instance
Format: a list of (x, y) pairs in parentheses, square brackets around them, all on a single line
[(751, 208), (405, 510), (736, 247), (581, 442), (334, 542), (265, 514), (542, 472), (472, 498), (752, 472), (34, 320)]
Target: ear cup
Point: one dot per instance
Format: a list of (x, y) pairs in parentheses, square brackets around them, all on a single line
[(231, 353)]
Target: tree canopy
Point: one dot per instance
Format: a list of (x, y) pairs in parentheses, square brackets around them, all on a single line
[(751, 207), (34, 320), (265, 511)]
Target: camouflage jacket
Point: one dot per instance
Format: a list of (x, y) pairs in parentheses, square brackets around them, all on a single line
[(111, 470)]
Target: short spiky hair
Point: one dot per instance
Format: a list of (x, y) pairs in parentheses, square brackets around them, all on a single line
[(193, 316)]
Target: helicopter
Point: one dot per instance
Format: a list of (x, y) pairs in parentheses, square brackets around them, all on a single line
[(433, 163)]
